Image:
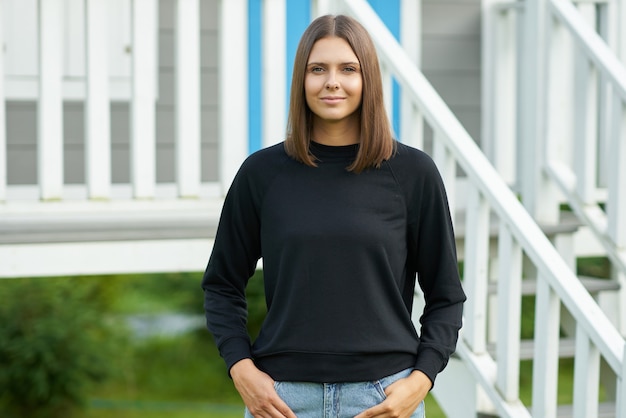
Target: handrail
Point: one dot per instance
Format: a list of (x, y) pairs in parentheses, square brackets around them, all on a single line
[(556, 276), (606, 63), (595, 48)]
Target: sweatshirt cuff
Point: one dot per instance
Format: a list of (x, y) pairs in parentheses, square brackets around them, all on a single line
[(430, 362), (234, 350)]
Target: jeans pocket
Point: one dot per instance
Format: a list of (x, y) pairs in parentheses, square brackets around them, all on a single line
[(378, 386), (388, 380)]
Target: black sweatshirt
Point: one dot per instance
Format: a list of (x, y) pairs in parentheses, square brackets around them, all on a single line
[(341, 252)]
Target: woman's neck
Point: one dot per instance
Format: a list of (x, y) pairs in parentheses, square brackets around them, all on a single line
[(336, 134)]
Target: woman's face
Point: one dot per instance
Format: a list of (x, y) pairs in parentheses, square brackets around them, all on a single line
[(333, 84)]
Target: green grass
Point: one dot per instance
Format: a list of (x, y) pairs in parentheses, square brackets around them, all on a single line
[(180, 412)]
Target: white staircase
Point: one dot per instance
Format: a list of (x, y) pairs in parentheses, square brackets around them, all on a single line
[(507, 254)]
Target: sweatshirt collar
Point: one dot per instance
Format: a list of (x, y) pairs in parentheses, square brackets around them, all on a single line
[(331, 152)]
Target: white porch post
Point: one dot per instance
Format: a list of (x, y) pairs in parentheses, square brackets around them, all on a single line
[(143, 79), (536, 196), (50, 105), (188, 98), (560, 130), (3, 139), (412, 122), (586, 117), (274, 71), (97, 106), (233, 89), (499, 75)]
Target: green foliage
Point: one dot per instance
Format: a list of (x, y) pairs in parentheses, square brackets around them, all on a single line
[(599, 267), (55, 343), (152, 293)]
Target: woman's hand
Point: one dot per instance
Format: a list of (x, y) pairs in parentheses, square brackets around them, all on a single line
[(257, 391), (403, 397)]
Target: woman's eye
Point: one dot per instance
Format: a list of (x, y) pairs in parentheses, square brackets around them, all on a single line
[(316, 69)]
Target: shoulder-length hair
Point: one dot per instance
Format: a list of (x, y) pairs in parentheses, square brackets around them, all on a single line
[(376, 141)]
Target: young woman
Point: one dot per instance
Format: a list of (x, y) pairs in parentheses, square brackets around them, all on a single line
[(346, 219)]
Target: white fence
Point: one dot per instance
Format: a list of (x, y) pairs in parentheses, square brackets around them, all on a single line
[(70, 57)]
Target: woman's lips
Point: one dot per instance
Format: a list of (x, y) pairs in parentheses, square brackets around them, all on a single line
[(332, 99)]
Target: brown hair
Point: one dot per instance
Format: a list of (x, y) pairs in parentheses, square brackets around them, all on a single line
[(376, 142)]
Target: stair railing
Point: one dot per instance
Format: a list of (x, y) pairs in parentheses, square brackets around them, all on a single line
[(554, 115), (593, 179), (490, 199)]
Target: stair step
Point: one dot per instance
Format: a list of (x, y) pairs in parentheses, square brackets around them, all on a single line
[(568, 224), (592, 284), (605, 410), (567, 349)]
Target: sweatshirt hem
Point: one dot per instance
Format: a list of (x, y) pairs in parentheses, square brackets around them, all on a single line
[(333, 368)]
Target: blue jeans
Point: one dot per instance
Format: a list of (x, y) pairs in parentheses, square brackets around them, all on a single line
[(337, 400)]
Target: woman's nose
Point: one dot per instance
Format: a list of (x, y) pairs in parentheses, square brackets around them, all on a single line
[(332, 83)]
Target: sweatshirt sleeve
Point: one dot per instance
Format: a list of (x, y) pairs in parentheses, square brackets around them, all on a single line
[(233, 260), (433, 247)]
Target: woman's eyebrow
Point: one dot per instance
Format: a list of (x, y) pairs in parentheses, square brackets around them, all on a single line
[(342, 63)]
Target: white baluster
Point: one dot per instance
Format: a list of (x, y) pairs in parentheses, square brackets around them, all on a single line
[(621, 388), (188, 148), (233, 79), (97, 103), (387, 81), (274, 71), (509, 313), (586, 127), (143, 79), (546, 358), (447, 167), (475, 271), (587, 376), (411, 119), (50, 107), (616, 205)]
